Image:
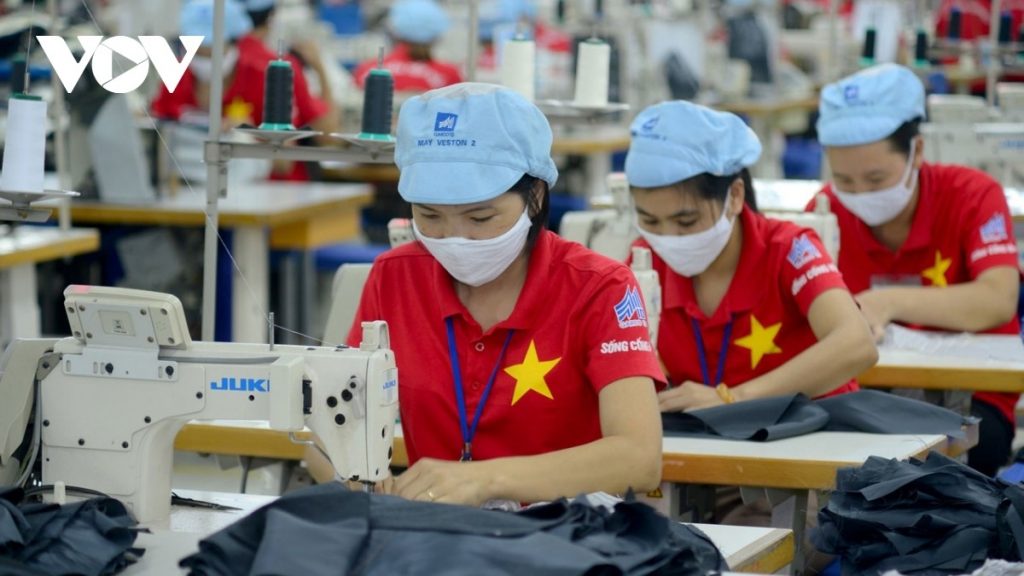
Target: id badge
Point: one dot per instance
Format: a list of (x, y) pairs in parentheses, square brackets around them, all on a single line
[(885, 280)]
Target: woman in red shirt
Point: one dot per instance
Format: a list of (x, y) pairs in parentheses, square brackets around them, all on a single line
[(415, 25), (924, 245), (516, 349), (752, 307)]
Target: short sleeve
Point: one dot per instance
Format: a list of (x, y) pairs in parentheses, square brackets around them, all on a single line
[(308, 108), (614, 332), (369, 307), (988, 239), (170, 105), (806, 270)]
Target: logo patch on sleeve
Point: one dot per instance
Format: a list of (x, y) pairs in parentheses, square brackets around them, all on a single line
[(802, 252), (994, 230), (629, 312)]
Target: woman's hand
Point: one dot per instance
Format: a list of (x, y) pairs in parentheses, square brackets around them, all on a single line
[(432, 480), (689, 396)]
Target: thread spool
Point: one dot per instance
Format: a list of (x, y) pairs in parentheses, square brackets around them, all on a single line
[(377, 103), (867, 55), (517, 66), (955, 24), (278, 92), (592, 71), (18, 68), (1005, 28), (25, 146), (921, 48)]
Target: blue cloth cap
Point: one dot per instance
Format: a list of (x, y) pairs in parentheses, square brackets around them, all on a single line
[(494, 13), (674, 141), (469, 143), (196, 19), (419, 21), (869, 106), (259, 5)]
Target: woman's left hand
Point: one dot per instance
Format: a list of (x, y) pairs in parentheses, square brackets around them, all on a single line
[(444, 481), (689, 396)]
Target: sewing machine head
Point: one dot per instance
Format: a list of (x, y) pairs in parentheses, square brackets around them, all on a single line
[(114, 395)]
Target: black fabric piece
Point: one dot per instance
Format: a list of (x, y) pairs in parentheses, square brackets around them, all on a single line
[(933, 517), (761, 419), (92, 537), (883, 413), (995, 439), (328, 530), (767, 419)]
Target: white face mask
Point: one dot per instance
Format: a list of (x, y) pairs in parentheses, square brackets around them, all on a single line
[(202, 66), (477, 262), (691, 254), (881, 206)]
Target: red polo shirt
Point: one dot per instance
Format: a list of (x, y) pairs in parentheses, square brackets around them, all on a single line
[(961, 228), (782, 269), (411, 75), (579, 325)]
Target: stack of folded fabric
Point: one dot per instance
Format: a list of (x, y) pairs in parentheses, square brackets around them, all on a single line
[(328, 530), (931, 517)]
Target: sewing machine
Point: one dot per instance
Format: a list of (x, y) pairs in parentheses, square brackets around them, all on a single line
[(608, 230), (964, 130), (109, 400)]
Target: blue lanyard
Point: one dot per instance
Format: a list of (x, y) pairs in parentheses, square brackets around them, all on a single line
[(702, 353), (469, 429)]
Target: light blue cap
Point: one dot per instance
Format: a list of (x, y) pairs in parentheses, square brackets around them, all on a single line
[(419, 21), (470, 143), (494, 13), (869, 106), (674, 141), (259, 5), (196, 19)]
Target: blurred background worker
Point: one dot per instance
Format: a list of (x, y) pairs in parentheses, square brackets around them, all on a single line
[(415, 27)]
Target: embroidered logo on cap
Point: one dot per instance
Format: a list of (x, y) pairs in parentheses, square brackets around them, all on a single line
[(650, 124), (630, 311), (851, 93), (994, 230), (445, 122), (802, 252)]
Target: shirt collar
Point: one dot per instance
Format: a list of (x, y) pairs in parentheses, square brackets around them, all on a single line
[(745, 288), (531, 298)]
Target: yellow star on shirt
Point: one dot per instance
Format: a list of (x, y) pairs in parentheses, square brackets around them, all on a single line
[(937, 273), (530, 375), (760, 341), (238, 110)]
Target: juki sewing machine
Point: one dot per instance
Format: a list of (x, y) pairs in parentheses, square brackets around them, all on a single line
[(106, 403)]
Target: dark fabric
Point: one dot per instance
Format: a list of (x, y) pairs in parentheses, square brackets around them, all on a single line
[(328, 530), (931, 517), (761, 419), (995, 439), (794, 415), (883, 413), (91, 537)]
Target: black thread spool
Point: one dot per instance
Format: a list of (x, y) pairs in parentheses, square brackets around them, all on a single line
[(278, 91), (921, 47), (19, 84), (955, 24), (1005, 28), (377, 102), (868, 53)]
